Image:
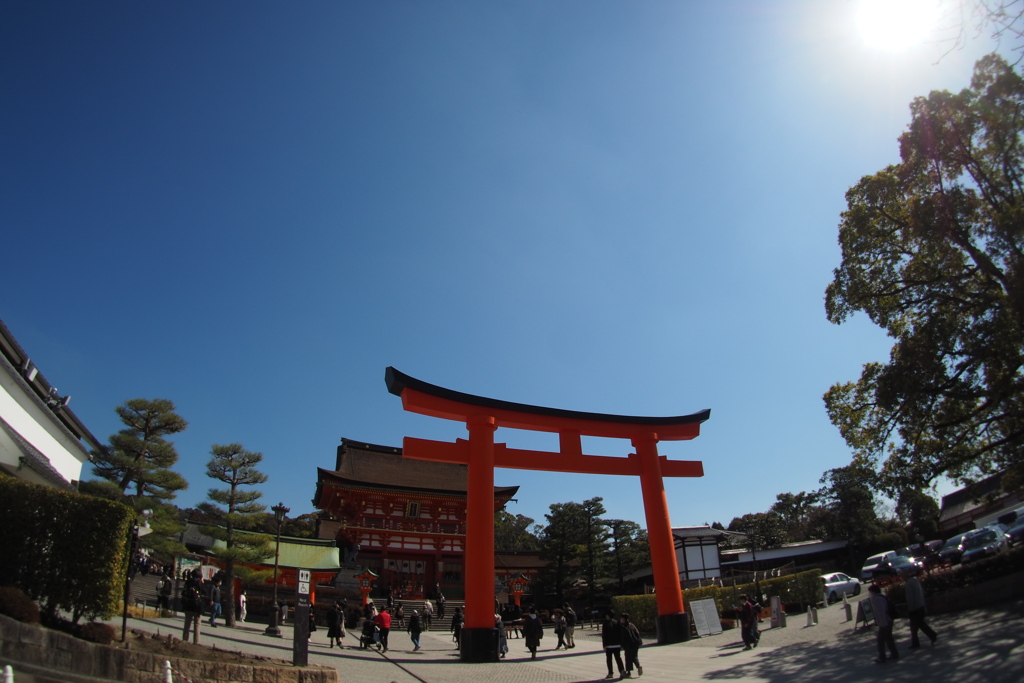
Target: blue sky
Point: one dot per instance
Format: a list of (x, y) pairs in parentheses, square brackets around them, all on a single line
[(252, 209)]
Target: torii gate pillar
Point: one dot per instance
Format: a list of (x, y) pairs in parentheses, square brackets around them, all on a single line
[(482, 416)]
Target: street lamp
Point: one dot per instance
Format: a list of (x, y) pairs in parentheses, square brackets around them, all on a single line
[(274, 630), (752, 538), (136, 531)]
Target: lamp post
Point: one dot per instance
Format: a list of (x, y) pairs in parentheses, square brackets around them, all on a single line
[(274, 630), (136, 531), (752, 537), (517, 586)]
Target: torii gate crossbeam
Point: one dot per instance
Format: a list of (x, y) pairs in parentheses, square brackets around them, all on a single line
[(481, 455)]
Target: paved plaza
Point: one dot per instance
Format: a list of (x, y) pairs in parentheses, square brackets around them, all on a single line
[(981, 645)]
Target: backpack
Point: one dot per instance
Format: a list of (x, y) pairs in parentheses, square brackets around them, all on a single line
[(632, 636), (190, 599)]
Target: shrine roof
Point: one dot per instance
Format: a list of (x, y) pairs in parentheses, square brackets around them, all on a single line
[(377, 466)]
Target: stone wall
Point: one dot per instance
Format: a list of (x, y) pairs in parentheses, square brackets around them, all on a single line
[(59, 652)]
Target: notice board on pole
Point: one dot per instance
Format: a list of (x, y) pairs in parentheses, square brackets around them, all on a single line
[(705, 617)]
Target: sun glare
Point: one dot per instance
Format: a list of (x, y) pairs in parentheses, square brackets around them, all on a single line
[(896, 24)]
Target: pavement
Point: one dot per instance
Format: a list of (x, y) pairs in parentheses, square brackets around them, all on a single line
[(984, 645)]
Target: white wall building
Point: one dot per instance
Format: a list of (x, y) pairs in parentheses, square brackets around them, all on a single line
[(41, 440)]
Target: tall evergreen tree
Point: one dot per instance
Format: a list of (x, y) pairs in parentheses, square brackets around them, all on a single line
[(236, 510), (629, 551), (512, 532), (136, 469)]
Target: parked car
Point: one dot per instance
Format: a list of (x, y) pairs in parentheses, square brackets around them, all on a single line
[(867, 572), (983, 543), (954, 548), (1015, 534), (927, 552), (1011, 518), (901, 566), (838, 584)]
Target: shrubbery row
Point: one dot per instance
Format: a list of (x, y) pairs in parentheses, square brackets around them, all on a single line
[(802, 588), (65, 550)]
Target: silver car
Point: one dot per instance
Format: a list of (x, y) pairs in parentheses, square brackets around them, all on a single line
[(838, 584)]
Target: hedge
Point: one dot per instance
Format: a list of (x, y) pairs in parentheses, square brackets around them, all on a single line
[(802, 588), (65, 550)]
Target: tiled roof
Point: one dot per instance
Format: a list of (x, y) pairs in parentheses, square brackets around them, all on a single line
[(384, 467)]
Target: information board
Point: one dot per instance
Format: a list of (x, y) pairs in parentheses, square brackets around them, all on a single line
[(300, 642), (865, 613), (705, 617)]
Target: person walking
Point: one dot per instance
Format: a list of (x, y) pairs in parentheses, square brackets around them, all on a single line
[(916, 611), (192, 604), (440, 605), (502, 638), (631, 642), (533, 631), (748, 622), (335, 625), (399, 616), (558, 619), (383, 623), (428, 614), (882, 609), (215, 607), (611, 641), (243, 606), (570, 625), (457, 621), (415, 628), (166, 591)]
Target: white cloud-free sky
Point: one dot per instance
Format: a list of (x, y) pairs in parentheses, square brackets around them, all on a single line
[(254, 208)]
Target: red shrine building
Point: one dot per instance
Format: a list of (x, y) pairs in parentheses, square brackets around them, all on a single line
[(403, 519)]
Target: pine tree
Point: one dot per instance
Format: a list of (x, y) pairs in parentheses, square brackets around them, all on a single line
[(236, 510), (136, 469)]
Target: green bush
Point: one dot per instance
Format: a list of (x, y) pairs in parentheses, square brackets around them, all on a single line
[(15, 604), (965, 575), (65, 550), (98, 632), (803, 588)]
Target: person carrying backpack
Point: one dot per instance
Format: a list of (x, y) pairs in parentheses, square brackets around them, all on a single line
[(192, 604), (631, 642)]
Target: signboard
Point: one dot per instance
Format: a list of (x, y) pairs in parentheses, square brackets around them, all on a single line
[(303, 600), (778, 613), (705, 617), (865, 613)]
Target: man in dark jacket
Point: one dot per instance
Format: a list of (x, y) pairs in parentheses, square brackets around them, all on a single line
[(533, 631), (611, 641), (415, 628)]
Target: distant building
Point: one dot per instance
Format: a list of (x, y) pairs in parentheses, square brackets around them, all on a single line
[(41, 440), (697, 553), (823, 555), (403, 519), (976, 505)]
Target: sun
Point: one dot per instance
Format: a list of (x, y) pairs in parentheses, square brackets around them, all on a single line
[(896, 24)]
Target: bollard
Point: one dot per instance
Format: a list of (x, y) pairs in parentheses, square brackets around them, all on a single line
[(168, 672), (8, 674), (849, 611), (810, 616)]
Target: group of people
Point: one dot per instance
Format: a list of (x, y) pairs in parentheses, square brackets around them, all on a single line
[(881, 606)]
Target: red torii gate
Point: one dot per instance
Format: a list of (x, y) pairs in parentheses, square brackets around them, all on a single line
[(481, 454)]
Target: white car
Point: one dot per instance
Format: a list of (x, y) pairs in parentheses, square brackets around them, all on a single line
[(838, 584), (875, 563)]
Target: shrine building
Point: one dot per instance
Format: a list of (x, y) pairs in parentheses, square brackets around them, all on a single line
[(403, 519)]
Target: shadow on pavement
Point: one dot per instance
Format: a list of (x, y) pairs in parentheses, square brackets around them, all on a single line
[(989, 651)]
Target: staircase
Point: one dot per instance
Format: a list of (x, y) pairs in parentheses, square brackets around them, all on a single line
[(436, 624), (145, 589)]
